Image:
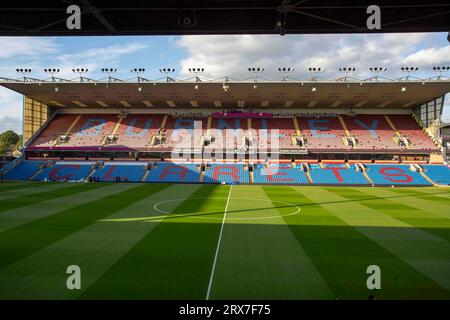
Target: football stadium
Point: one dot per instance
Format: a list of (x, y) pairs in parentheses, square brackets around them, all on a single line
[(224, 188)]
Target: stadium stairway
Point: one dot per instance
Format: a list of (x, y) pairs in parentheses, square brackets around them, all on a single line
[(305, 168), (94, 168), (362, 169), (147, 172)]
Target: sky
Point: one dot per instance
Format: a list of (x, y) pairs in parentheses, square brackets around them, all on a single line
[(220, 55)]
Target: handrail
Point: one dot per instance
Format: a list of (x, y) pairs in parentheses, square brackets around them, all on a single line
[(10, 165)]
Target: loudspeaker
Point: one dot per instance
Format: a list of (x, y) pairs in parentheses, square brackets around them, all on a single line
[(187, 19)]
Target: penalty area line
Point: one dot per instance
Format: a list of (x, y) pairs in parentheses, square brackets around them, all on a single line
[(218, 246)]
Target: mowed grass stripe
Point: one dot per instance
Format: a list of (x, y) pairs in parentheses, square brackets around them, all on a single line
[(428, 193), (424, 252), (30, 188), (24, 197), (54, 203), (8, 186), (428, 203), (174, 260), (406, 210), (17, 243), (341, 253), (259, 257), (94, 249)]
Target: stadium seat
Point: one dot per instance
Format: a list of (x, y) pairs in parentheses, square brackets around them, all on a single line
[(440, 174), (22, 171), (322, 133), (58, 126), (336, 174), (279, 174), (65, 171), (126, 172), (228, 173), (395, 174), (372, 132), (135, 131), (174, 172), (276, 130), (409, 128)]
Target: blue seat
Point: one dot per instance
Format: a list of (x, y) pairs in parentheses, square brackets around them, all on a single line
[(174, 172), (23, 171), (336, 174), (394, 174), (440, 174), (130, 172), (228, 173), (279, 174), (65, 171)]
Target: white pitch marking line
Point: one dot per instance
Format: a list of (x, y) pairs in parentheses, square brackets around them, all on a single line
[(218, 246)]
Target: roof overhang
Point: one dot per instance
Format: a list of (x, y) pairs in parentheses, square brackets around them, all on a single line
[(162, 17), (304, 94)]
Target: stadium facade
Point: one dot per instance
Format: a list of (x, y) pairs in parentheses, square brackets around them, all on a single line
[(345, 131)]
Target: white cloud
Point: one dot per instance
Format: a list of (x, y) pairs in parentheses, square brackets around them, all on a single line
[(33, 53), (233, 54), (95, 58), (430, 56), (26, 46), (10, 110)]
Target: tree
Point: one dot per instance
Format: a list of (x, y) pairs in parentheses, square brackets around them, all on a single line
[(19, 142), (8, 141), (9, 138)]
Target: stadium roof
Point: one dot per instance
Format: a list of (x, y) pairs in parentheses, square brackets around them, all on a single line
[(188, 94), (120, 17)]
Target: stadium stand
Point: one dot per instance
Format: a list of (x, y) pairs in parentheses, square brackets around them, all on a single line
[(65, 171), (227, 133), (440, 174), (58, 126), (135, 131), (325, 174), (395, 174), (372, 132), (279, 174), (228, 173), (333, 174), (174, 172), (269, 130), (158, 133), (129, 172), (22, 171), (409, 128), (90, 130), (322, 133)]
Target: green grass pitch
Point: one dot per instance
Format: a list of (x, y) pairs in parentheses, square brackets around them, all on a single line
[(169, 241)]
